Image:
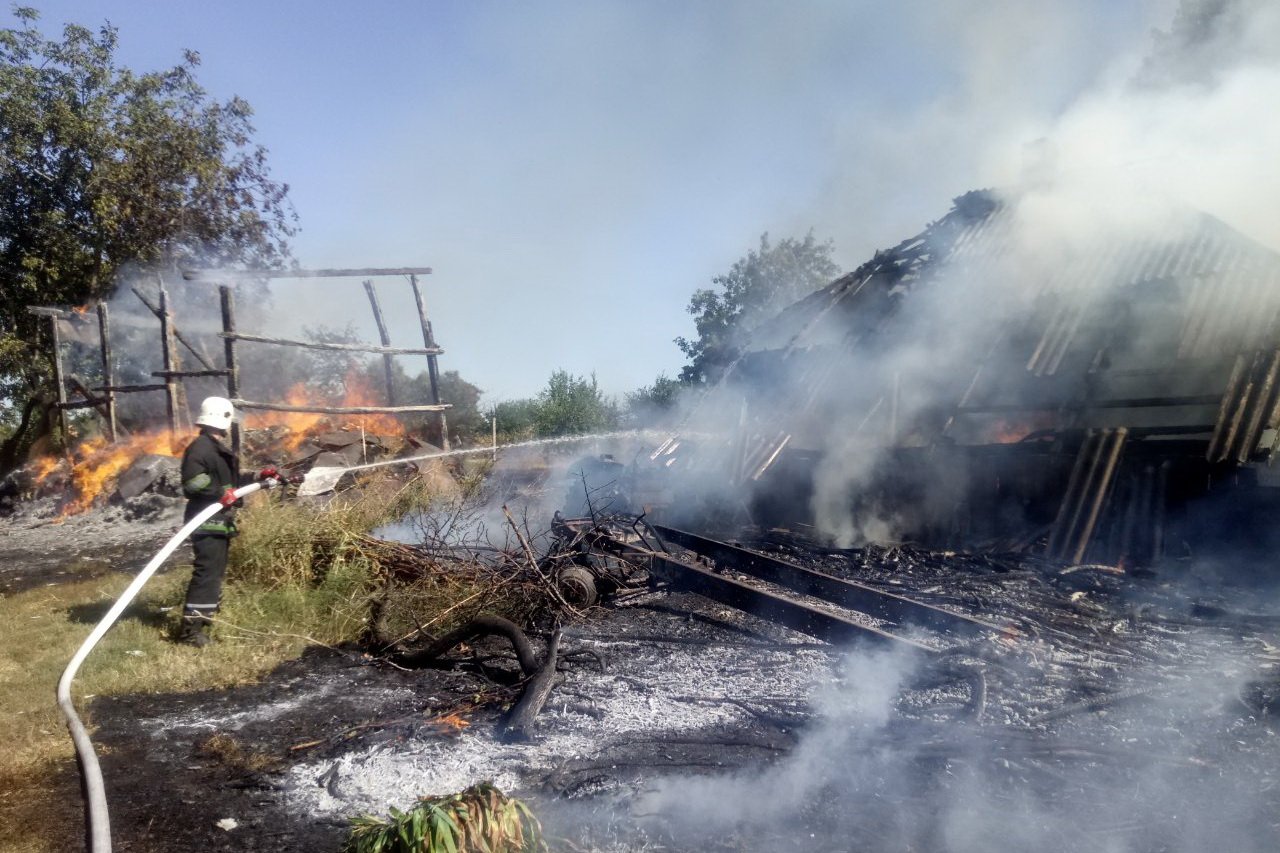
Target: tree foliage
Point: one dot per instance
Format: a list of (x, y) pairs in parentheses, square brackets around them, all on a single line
[(756, 286), (573, 405), (653, 404), (101, 167), (568, 405)]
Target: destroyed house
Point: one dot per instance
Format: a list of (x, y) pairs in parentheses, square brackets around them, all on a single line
[(1109, 401)]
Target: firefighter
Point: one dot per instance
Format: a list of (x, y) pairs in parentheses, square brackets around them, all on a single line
[(210, 474)]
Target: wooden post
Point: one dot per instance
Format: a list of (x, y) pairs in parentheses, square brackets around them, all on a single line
[(388, 360), (433, 369), (175, 397), (229, 350), (60, 381), (108, 370)]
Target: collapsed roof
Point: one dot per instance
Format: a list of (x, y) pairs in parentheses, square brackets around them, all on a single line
[(1096, 356)]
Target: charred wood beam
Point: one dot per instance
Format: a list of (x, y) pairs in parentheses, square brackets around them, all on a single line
[(59, 381), (855, 596), (337, 410), (260, 339), (797, 615), (188, 374), (1227, 406), (1089, 485), (767, 605), (128, 389), (41, 311), (388, 361), (155, 309), (433, 366), (108, 369), (94, 401), (220, 275), (227, 303), (175, 397), (1121, 403)]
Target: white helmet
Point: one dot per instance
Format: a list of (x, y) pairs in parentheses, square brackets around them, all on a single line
[(216, 412)]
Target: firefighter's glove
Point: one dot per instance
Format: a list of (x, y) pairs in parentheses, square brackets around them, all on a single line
[(228, 497), (268, 473)]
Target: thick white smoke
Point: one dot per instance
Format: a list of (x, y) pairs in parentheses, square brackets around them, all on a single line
[(1182, 126), (1130, 161)]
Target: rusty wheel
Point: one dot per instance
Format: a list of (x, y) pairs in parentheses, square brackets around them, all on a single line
[(578, 586)]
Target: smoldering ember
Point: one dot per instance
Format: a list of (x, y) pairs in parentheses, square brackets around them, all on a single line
[(908, 576)]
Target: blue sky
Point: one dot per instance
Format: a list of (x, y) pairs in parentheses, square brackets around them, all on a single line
[(573, 171)]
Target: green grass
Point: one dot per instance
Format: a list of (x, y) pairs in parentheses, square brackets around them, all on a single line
[(299, 576)]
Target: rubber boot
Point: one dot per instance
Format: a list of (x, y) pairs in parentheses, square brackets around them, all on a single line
[(193, 631)]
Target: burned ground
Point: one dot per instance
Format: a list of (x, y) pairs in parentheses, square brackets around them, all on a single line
[(1112, 711), (39, 547)]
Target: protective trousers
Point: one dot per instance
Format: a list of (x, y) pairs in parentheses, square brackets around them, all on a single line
[(204, 593)]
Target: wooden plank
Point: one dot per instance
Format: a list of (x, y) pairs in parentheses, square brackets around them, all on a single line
[(337, 410), (260, 339), (223, 275)]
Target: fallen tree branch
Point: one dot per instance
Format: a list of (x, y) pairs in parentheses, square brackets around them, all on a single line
[(483, 625), (520, 723)]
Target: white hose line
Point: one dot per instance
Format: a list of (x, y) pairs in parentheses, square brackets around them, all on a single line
[(95, 793), (323, 479)]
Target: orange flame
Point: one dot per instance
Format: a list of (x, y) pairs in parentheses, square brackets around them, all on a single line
[(43, 467), (301, 425), (451, 722), (95, 466), (1010, 431)]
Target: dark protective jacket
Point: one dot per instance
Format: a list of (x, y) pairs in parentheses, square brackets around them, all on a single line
[(209, 468)]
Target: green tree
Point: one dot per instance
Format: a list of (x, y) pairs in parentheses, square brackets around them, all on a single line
[(653, 404), (756, 286), (101, 167), (516, 419), (572, 405)]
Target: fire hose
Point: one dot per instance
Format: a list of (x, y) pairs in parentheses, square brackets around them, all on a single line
[(98, 823)]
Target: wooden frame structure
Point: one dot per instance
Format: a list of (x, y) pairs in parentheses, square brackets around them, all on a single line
[(103, 398)]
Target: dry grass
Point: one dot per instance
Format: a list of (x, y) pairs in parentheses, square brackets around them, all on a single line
[(294, 580), (41, 629)]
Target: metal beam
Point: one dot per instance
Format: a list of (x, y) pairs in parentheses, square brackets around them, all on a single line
[(850, 594)]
